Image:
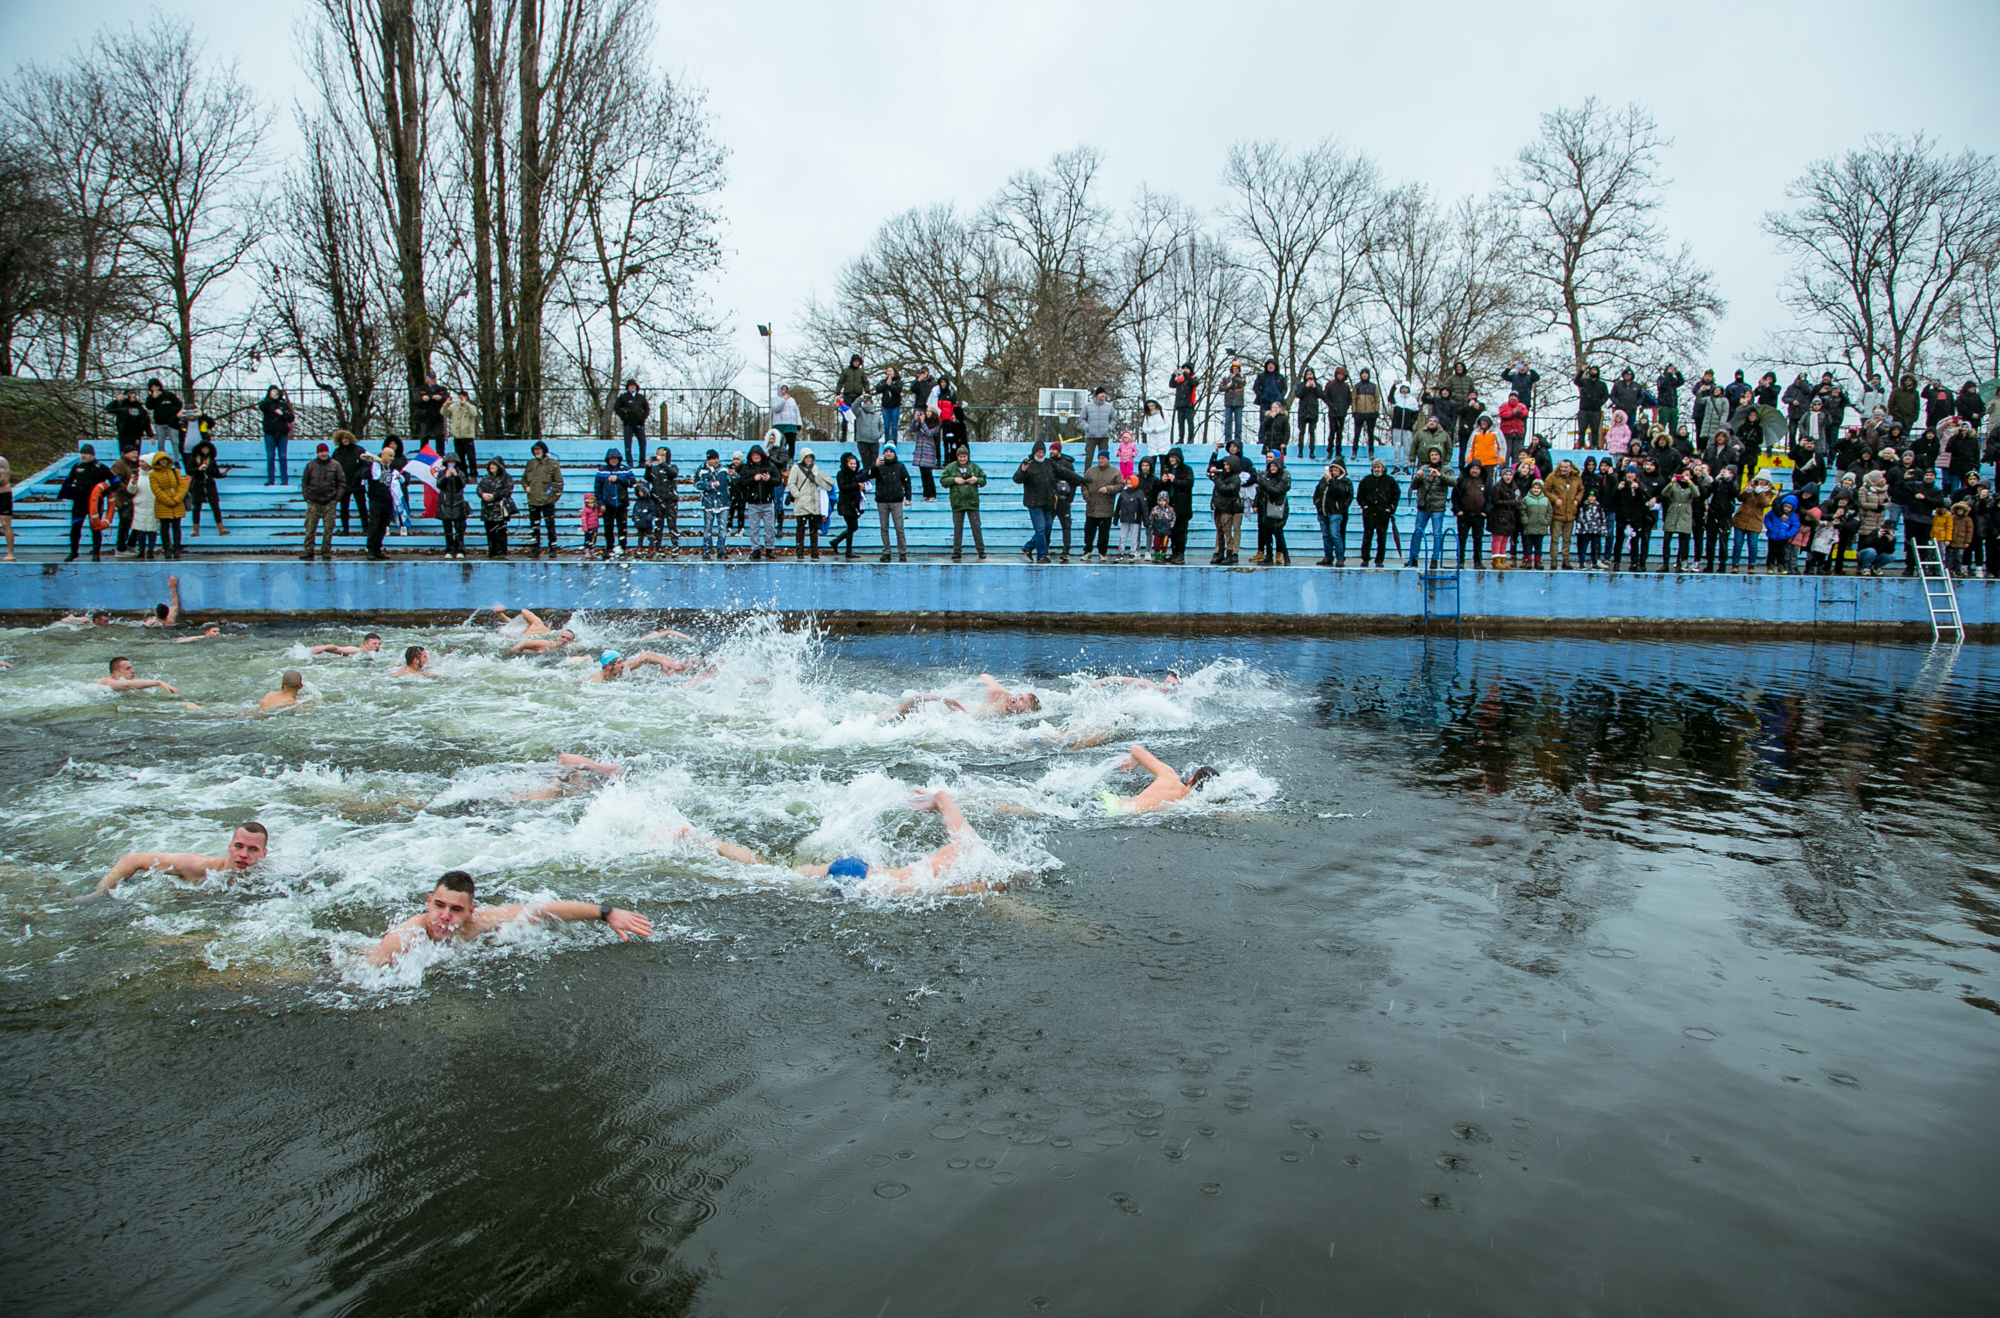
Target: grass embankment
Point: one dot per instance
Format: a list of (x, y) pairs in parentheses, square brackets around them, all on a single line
[(41, 421)]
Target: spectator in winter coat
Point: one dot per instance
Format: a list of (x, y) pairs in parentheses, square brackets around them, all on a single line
[(1431, 489), (891, 480), (1100, 423), (1307, 398), (1185, 397), (665, 479), (1367, 408), (847, 502), (1274, 488), (1905, 403), (712, 482), (963, 479), (133, 420), (1331, 499), (632, 409), (1564, 488), (1513, 424), (165, 406), (786, 418), (461, 421), (277, 416), (1667, 389), (542, 482), (1338, 395), (760, 482), (805, 484), (452, 508), (613, 488), (1228, 470), (1101, 484), (1751, 506), (1274, 430), (1468, 501), (1270, 386), (1485, 446), (1591, 395), (1378, 496), (1625, 394), (1430, 434), (322, 483), (1522, 379), (496, 505)]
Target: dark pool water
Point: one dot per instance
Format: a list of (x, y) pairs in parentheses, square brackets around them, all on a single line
[(1546, 977)]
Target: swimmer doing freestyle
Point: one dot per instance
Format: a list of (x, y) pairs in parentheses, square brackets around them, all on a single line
[(1166, 787), (999, 701), (845, 877), (250, 844), (451, 915)]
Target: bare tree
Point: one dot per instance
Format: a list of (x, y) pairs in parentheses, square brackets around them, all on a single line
[(1306, 222), (1158, 231), (331, 299), (1592, 257), (1439, 285), (1211, 300), (188, 132), (1973, 336), (63, 116), (1884, 240), (648, 182), (377, 74), (33, 226)]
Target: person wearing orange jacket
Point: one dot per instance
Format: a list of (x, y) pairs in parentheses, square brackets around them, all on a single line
[(1485, 446)]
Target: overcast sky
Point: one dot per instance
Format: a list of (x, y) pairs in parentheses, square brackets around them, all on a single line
[(841, 115)]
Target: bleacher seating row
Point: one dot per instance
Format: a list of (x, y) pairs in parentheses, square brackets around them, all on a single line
[(265, 519)]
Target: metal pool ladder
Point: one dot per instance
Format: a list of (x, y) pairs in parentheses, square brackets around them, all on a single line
[(1437, 581), (1940, 596)]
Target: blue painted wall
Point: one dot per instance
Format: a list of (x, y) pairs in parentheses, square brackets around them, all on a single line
[(222, 588)]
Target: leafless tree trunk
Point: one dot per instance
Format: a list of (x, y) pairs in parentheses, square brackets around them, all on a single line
[(64, 116), (1307, 224), (1439, 287), (1592, 256), (1211, 301), (1156, 238), (189, 132), (1883, 241)]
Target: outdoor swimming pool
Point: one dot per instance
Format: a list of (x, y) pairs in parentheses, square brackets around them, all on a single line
[(1510, 976)]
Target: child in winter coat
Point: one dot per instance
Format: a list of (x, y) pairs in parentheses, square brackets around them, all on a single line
[(645, 516), (591, 517), (1780, 525), (1162, 525), (1959, 541), (1618, 438), (1591, 528), (1128, 455), (1825, 540), (1131, 514)]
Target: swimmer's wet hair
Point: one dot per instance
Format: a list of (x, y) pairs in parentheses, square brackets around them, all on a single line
[(252, 826), (1200, 776), (160, 612), (291, 681), (372, 636), (115, 661), (457, 881), (411, 653)]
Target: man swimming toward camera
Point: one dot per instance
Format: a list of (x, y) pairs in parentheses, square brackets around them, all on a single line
[(451, 915)]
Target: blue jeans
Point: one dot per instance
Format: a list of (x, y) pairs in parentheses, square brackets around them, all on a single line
[(889, 416), (1232, 424), (1436, 522), (1749, 543), (714, 532), (276, 470), (1333, 537), (1038, 543)]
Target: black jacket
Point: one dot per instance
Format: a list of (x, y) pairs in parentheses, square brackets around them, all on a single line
[(1379, 496), (1273, 495), (1591, 393), (631, 408), (1308, 396), (1038, 483), (1337, 396), (166, 409), (1333, 495), (1178, 481), (847, 491), (278, 416), (1625, 397), (1068, 482), (892, 481), (754, 490), (84, 477), (501, 487), (1668, 388), (133, 420), (452, 506)]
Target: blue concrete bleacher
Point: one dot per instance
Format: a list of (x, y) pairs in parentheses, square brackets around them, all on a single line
[(269, 520)]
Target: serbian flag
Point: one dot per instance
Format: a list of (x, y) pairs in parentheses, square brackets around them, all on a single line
[(423, 466)]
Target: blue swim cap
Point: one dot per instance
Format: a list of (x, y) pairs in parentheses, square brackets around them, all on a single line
[(608, 658), (851, 868)]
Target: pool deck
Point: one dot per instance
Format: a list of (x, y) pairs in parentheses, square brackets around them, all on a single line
[(1012, 593)]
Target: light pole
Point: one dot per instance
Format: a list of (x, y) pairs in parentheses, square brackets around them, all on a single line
[(770, 390)]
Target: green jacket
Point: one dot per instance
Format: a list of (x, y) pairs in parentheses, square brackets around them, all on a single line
[(1536, 512), (1677, 501), (1433, 489), (542, 479), (963, 496)]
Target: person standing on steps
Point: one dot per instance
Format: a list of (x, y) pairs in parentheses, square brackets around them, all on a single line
[(86, 475), (1037, 478), (785, 416), (1226, 470), (1431, 489), (542, 482), (890, 394), (430, 401), (496, 505), (1332, 497), (1100, 423), (871, 421), (759, 481), (1177, 479), (277, 414), (631, 409), (847, 502), (1233, 387), (1307, 397), (352, 459), (963, 480), (1367, 410), (1101, 486), (1185, 396), (1378, 496), (892, 490), (1274, 488), (807, 484), (322, 483), (165, 406), (462, 420), (1067, 484), (613, 488), (711, 485)]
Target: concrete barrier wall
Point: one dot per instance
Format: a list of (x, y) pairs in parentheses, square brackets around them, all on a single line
[(1017, 592)]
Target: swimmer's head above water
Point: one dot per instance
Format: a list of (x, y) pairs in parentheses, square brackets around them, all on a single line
[(845, 876)]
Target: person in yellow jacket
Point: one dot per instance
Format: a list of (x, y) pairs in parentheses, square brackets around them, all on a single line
[(169, 502), (1565, 490)]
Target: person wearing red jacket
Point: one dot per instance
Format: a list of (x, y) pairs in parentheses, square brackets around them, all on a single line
[(1514, 424)]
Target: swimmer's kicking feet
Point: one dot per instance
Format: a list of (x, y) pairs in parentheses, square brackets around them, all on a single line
[(1167, 684), (573, 774), (370, 644), (666, 634), (450, 915), (250, 844), (1165, 790)]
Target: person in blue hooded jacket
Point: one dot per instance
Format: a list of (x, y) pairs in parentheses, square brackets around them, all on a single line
[(614, 497), (1780, 525)]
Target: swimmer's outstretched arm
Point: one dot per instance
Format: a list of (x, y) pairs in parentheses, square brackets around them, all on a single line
[(623, 923), (1140, 757), (692, 836), (579, 762), (640, 658), (666, 634), (186, 864), (136, 684)]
